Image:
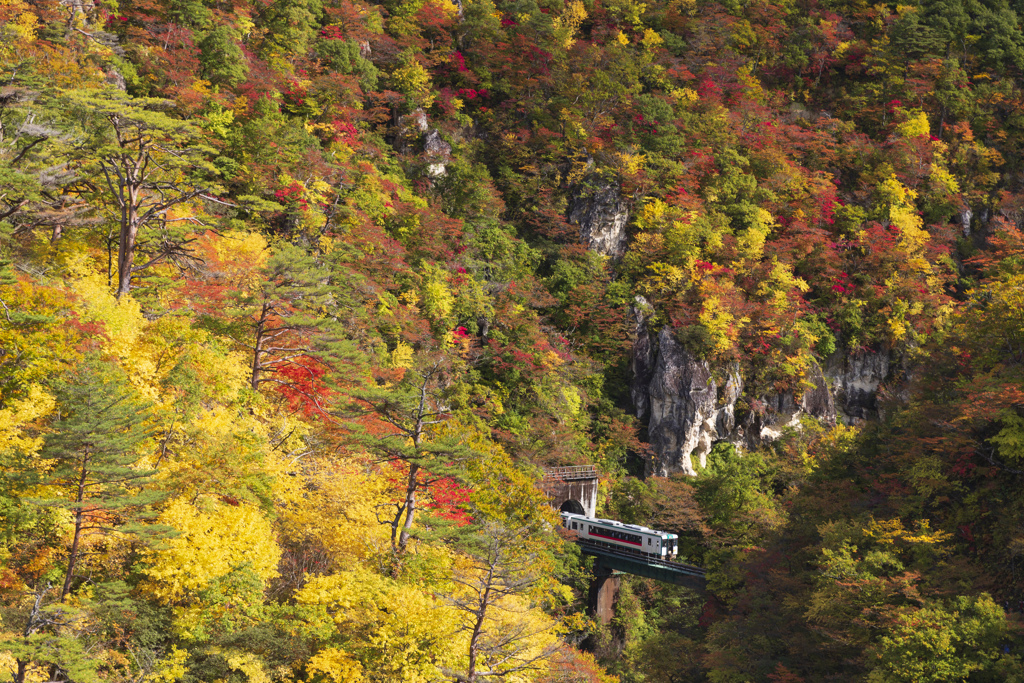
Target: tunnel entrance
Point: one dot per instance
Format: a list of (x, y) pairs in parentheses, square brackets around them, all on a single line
[(572, 488), (573, 506)]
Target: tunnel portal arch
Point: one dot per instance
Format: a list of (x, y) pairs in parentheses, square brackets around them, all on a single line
[(572, 489), (573, 506)]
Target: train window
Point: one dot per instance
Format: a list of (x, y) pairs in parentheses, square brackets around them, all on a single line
[(648, 541), (574, 525)]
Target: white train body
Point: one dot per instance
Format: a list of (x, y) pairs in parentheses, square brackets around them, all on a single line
[(626, 536)]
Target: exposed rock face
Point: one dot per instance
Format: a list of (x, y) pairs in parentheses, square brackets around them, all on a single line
[(965, 221), (683, 417), (692, 406), (602, 214), (115, 78), (725, 421), (416, 122), (642, 361), (817, 400), (855, 379), (777, 413), (411, 129), (438, 153)]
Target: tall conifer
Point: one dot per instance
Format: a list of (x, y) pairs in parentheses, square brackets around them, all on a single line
[(92, 462)]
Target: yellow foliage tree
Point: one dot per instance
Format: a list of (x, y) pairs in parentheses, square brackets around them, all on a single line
[(338, 513), (336, 666), (20, 414), (509, 636), (214, 538), (375, 629), (568, 23), (413, 80), (898, 200)]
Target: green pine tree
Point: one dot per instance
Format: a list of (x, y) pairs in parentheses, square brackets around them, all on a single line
[(91, 466), (92, 459), (138, 166), (414, 410)]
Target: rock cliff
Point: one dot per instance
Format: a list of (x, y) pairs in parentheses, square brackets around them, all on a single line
[(683, 415), (855, 379), (690, 406)]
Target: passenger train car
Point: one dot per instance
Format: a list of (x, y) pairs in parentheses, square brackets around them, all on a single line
[(627, 536)]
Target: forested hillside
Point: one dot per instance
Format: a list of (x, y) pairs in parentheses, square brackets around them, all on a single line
[(299, 297)]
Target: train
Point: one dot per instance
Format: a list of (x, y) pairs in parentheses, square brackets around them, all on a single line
[(631, 537)]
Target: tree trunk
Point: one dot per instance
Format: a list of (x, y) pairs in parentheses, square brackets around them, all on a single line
[(410, 506), (125, 260), (30, 628), (126, 242), (478, 627), (257, 347), (73, 555)]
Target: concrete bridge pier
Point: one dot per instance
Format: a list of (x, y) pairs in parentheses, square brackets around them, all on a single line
[(604, 590)]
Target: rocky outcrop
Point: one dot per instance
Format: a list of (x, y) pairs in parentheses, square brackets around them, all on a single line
[(725, 420), (774, 414), (690, 406), (115, 79), (965, 221), (414, 122), (438, 153), (415, 134), (817, 399), (601, 213), (855, 380), (410, 129), (683, 416), (643, 357)]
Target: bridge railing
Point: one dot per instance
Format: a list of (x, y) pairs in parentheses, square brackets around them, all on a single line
[(627, 554), (574, 472)]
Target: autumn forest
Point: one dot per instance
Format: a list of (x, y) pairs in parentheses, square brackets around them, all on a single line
[(299, 299)]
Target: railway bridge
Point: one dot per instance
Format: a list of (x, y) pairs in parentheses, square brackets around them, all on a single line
[(613, 559), (574, 489), (610, 563)]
